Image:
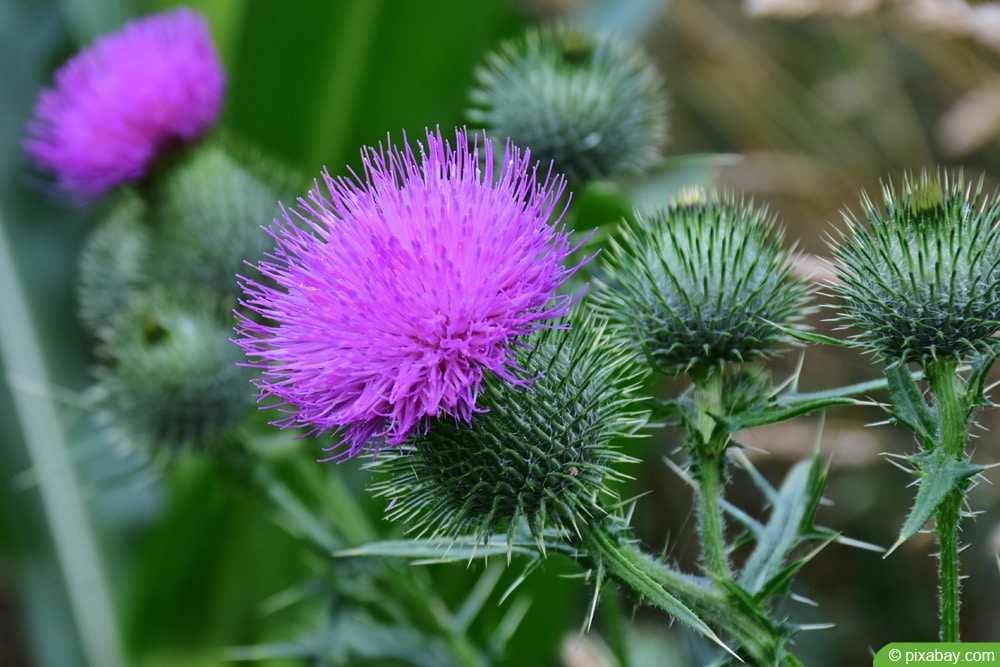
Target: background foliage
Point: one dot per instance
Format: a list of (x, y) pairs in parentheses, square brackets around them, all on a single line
[(798, 104)]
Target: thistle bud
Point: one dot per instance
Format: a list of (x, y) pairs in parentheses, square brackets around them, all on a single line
[(544, 455), (208, 221), (593, 106), (113, 266), (701, 283), (174, 379), (922, 279)]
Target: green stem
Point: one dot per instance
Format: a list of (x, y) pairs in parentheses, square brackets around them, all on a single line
[(954, 419), (685, 598), (710, 483), (948, 515), (708, 453), (62, 495)]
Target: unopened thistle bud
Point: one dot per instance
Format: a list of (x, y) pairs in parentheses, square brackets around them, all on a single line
[(208, 221), (701, 283), (174, 379), (922, 279), (543, 454), (113, 266), (593, 106)]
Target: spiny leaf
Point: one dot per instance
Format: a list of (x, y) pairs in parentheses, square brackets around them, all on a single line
[(939, 477), (791, 516), (431, 550), (980, 367), (778, 584), (908, 404), (811, 337), (783, 411)]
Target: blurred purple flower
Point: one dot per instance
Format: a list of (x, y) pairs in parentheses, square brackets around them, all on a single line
[(399, 291), (116, 105)]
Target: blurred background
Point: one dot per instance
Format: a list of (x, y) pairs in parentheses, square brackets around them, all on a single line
[(799, 103)]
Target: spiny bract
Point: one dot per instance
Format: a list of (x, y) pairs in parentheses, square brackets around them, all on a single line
[(173, 379), (922, 279), (701, 283), (593, 106), (543, 454)]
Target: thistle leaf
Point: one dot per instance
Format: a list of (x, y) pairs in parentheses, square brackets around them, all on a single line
[(436, 550), (939, 477), (783, 410), (981, 364), (909, 407), (790, 523)]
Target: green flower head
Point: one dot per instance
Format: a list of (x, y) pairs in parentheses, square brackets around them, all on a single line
[(173, 379), (591, 105), (701, 283), (542, 455), (921, 280)]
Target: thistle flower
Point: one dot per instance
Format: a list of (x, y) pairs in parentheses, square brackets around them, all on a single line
[(395, 295), (592, 105), (701, 283), (922, 279), (117, 105), (545, 456)]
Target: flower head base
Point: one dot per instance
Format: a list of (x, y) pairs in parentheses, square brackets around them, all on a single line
[(701, 283), (544, 456), (115, 106), (922, 279), (593, 106), (395, 296)]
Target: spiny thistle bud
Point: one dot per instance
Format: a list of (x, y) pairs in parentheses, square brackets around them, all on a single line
[(701, 283), (542, 454), (922, 279), (593, 106), (113, 266), (174, 380), (208, 221)]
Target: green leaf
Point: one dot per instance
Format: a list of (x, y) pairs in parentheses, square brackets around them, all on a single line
[(448, 551), (783, 411), (790, 523), (778, 584), (819, 339), (641, 575), (980, 367), (909, 406), (939, 476)]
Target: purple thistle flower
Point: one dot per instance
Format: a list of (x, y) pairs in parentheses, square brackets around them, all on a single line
[(390, 299), (116, 105)]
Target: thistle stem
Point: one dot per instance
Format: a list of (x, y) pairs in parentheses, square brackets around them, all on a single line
[(954, 416), (682, 596), (708, 451), (710, 483)]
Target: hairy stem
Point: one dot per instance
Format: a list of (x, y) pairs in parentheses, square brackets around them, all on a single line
[(954, 415), (708, 454), (710, 482), (684, 597)]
